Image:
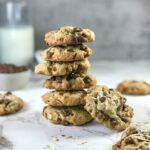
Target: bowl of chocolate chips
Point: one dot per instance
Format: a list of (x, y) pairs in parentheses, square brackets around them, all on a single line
[(13, 77)]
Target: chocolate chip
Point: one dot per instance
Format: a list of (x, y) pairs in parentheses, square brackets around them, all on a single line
[(100, 115), (113, 122), (50, 54), (58, 79), (80, 67), (77, 29), (7, 101), (129, 141), (87, 79), (8, 93), (83, 35), (70, 50), (102, 99), (67, 112), (124, 119)]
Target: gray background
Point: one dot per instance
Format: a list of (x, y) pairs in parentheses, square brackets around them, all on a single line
[(122, 27)]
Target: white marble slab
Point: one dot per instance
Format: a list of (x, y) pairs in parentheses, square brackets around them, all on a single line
[(28, 130)]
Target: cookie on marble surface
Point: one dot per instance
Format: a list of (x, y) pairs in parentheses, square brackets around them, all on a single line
[(69, 36), (108, 107), (10, 103), (135, 137), (134, 87), (64, 98), (70, 82), (62, 68), (67, 115), (67, 53)]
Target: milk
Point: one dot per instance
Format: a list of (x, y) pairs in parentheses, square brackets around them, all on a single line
[(16, 45)]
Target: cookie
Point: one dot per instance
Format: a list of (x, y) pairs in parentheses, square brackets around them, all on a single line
[(62, 68), (67, 53), (69, 36), (70, 82), (136, 137), (67, 115), (10, 103), (108, 107), (133, 87), (64, 98)]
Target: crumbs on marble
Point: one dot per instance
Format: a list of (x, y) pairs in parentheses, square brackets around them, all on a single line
[(84, 142)]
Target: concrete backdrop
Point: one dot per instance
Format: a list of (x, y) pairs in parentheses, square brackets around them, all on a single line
[(122, 27)]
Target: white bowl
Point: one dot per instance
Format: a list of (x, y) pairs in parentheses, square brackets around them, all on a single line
[(38, 57), (14, 81)]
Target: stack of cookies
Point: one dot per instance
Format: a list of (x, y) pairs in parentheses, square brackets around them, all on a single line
[(66, 64)]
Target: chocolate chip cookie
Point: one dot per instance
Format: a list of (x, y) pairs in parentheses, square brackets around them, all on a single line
[(69, 36), (108, 107), (62, 68), (136, 137), (70, 82), (67, 53), (64, 98), (67, 115), (10, 103), (133, 87)]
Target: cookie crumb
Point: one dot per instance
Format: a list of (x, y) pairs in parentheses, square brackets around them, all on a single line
[(84, 142), (69, 137)]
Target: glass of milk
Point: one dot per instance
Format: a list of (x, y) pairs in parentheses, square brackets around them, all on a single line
[(16, 32)]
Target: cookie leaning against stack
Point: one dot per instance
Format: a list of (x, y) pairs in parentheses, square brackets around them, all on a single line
[(67, 64)]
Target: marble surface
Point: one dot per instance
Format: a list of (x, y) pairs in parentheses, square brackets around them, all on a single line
[(28, 130)]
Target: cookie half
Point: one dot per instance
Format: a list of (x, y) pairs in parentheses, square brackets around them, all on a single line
[(66, 115), (108, 107), (67, 53), (62, 68), (10, 103), (69, 36), (70, 82), (133, 87), (136, 137)]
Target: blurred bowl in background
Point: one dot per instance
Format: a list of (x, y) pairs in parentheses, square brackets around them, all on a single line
[(38, 56), (14, 81)]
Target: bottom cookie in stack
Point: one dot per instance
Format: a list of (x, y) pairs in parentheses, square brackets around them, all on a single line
[(66, 115), (66, 107)]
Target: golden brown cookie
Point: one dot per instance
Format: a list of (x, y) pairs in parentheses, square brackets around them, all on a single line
[(70, 82), (134, 87), (10, 103), (64, 98), (67, 115), (62, 68), (69, 36), (108, 107), (136, 137), (67, 53)]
